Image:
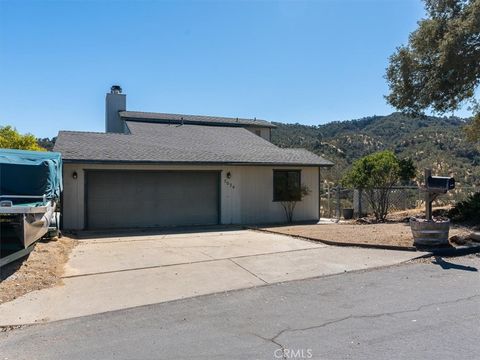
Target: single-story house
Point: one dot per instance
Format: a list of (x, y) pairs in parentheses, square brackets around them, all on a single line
[(155, 169)]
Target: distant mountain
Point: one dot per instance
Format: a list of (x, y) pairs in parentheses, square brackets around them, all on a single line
[(436, 142)]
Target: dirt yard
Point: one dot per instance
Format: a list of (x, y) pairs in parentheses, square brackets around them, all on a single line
[(43, 268), (390, 234), (402, 216)]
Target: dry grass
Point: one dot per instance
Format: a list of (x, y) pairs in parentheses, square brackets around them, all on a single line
[(42, 269)]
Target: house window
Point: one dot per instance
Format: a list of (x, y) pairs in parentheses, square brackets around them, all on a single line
[(286, 185)]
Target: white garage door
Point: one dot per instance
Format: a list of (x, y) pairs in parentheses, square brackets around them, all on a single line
[(123, 199)]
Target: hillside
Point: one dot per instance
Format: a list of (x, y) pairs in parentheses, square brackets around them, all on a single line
[(433, 142)]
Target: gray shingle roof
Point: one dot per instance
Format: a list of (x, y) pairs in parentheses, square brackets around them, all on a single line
[(194, 119), (174, 143)]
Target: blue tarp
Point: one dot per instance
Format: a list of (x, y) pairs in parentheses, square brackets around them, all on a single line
[(30, 173)]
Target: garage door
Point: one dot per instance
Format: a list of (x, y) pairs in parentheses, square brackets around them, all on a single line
[(122, 199)]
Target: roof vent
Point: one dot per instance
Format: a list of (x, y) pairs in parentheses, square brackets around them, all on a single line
[(116, 89)]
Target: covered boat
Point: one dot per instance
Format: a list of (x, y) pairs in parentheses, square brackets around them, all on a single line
[(30, 187)]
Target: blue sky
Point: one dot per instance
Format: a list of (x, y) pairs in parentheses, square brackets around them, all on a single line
[(309, 62)]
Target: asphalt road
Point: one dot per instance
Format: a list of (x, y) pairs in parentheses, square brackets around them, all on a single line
[(410, 311)]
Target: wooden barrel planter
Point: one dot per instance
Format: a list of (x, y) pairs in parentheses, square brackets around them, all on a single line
[(429, 233)]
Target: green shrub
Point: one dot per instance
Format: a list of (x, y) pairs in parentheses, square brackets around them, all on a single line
[(376, 174), (467, 210)]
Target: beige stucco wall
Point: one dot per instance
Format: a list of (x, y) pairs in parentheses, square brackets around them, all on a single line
[(247, 197), (264, 132)]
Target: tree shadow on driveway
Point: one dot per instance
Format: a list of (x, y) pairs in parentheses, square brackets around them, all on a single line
[(445, 265)]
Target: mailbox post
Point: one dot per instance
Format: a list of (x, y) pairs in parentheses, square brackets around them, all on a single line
[(428, 196), (435, 186), (429, 232)]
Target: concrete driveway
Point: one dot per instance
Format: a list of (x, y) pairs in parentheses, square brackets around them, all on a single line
[(112, 273)]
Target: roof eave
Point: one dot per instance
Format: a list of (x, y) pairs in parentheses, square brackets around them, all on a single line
[(146, 162), (191, 122), (126, 117)]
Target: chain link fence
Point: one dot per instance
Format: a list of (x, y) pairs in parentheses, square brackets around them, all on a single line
[(334, 199)]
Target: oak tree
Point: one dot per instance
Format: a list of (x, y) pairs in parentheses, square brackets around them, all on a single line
[(439, 68)]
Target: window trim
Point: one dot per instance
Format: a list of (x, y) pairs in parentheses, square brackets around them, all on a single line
[(299, 171)]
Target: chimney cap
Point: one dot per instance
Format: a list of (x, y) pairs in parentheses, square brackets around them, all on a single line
[(116, 89)]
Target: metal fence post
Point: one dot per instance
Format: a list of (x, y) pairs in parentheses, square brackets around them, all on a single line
[(357, 202), (328, 201), (338, 202), (360, 205)]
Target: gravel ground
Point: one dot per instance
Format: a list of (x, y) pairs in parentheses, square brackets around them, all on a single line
[(41, 269)]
